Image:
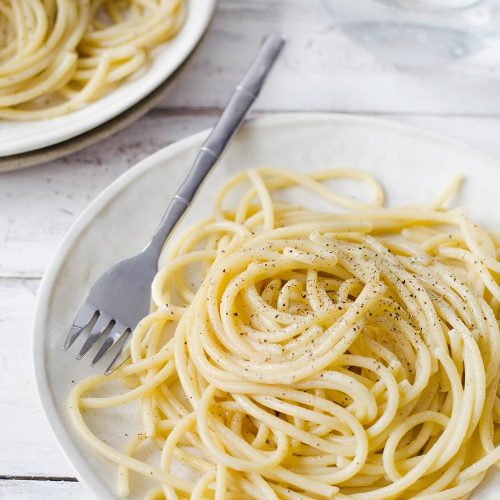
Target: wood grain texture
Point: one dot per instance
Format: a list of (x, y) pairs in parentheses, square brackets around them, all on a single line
[(43, 490), (37, 206), (27, 445), (321, 69)]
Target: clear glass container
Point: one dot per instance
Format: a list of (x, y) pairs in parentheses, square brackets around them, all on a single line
[(419, 32)]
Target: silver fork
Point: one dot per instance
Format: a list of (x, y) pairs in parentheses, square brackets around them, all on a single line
[(121, 297)]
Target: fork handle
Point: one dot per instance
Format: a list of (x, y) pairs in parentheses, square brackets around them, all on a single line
[(225, 128)]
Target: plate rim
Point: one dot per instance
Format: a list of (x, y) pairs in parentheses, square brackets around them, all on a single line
[(101, 132), (65, 132), (59, 431)]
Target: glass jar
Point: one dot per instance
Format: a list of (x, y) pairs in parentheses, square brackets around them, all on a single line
[(419, 32)]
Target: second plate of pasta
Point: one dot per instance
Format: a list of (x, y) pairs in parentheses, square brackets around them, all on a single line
[(283, 379), (67, 67)]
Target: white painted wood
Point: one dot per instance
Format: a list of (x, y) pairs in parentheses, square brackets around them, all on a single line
[(27, 447), (43, 490), (37, 206), (324, 69), (321, 69)]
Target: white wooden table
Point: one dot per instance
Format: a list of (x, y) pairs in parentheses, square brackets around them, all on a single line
[(321, 70)]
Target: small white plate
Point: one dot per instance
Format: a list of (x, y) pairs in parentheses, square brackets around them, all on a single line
[(414, 166), (20, 137)]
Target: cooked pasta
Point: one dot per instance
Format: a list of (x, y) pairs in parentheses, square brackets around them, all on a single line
[(58, 55), (298, 354)]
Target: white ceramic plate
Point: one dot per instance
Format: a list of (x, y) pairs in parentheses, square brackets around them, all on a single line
[(20, 137), (412, 165)]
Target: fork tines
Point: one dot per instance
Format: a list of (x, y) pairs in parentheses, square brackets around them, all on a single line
[(101, 323)]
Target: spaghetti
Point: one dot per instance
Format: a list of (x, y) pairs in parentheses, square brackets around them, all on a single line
[(58, 55), (351, 354)]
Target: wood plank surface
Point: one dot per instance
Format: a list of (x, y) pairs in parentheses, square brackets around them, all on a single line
[(322, 69), (37, 206), (43, 490), (27, 445), (36, 212)]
